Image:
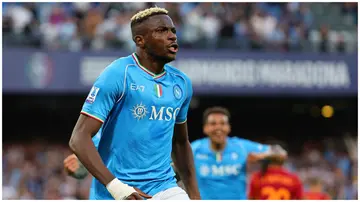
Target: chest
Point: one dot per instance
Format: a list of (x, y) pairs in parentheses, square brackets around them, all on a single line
[(155, 99), (227, 164)]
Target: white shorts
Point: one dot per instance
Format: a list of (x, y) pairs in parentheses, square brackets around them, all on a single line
[(175, 193)]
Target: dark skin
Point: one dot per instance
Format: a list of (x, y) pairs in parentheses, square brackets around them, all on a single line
[(83, 147), (155, 39), (183, 159)]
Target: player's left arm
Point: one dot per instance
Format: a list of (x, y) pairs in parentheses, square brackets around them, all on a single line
[(257, 151), (182, 155)]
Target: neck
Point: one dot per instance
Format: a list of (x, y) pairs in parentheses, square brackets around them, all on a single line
[(275, 166), (217, 147), (149, 62)]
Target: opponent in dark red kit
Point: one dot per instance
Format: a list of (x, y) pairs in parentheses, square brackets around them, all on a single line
[(274, 182), (315, 191)]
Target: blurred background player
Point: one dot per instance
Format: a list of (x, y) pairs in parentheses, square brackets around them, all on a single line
[(274, 182), (127, 102), (315, 191), (221, 161)]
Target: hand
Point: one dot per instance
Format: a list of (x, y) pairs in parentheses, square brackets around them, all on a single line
[(71, 164), (138, 195), (279, 151)]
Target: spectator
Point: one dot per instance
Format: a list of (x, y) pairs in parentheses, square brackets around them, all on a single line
[(98, 26)]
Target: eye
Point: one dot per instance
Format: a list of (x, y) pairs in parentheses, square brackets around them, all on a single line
[(173, 30), (213, 123), (162, 30)]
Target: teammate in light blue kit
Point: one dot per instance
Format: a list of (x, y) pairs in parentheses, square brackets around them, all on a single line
[(221, 161), (140, 103)]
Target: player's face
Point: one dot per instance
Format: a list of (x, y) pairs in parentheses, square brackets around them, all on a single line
[(217, 128), (161, 40)]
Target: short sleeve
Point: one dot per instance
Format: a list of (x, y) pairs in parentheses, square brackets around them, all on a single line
[(182, 116), (106, 91), (253, 147)]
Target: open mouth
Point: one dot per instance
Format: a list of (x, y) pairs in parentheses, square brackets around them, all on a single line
[(173, 48)]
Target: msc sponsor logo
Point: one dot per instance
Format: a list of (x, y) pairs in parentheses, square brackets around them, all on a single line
[(140, 111), (220, 170)]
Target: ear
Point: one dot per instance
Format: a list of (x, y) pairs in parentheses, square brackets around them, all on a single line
[(139, 41)]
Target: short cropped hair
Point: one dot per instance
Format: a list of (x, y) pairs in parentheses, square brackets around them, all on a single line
[(215, 110), (145, 14)]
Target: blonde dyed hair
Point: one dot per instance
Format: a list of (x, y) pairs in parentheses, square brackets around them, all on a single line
[(144, 14)]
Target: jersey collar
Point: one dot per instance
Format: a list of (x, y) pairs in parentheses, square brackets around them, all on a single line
[(155, 76)]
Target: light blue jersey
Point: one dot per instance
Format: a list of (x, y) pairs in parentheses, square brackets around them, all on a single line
[(223, 176), (96, 139), (139, 111)]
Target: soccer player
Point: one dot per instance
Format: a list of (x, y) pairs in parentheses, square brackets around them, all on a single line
[(274, 182), (140, 103), (221, 161), (316, 191)]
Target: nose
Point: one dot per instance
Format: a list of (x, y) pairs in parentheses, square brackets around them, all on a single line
[(217, 127), (172, 36)]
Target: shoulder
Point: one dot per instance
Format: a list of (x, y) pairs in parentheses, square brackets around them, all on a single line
[(116, 71), (237, 141), (182, 78), (238, 144), (198, 144), (120, 65), (247, 143), (177, 72)]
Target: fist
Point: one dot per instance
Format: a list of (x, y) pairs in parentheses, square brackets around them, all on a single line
[(71, 164)]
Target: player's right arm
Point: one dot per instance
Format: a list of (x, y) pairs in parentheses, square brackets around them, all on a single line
[(83, 147), (74, 167), (107, 90), (257, 151)]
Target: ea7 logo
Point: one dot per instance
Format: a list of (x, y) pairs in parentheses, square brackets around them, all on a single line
[(137, 87)]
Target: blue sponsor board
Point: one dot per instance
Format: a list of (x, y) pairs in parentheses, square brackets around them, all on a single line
[(212, 72)]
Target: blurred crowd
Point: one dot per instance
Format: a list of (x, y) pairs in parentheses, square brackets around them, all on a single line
[(35, 171), (244, 26)]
